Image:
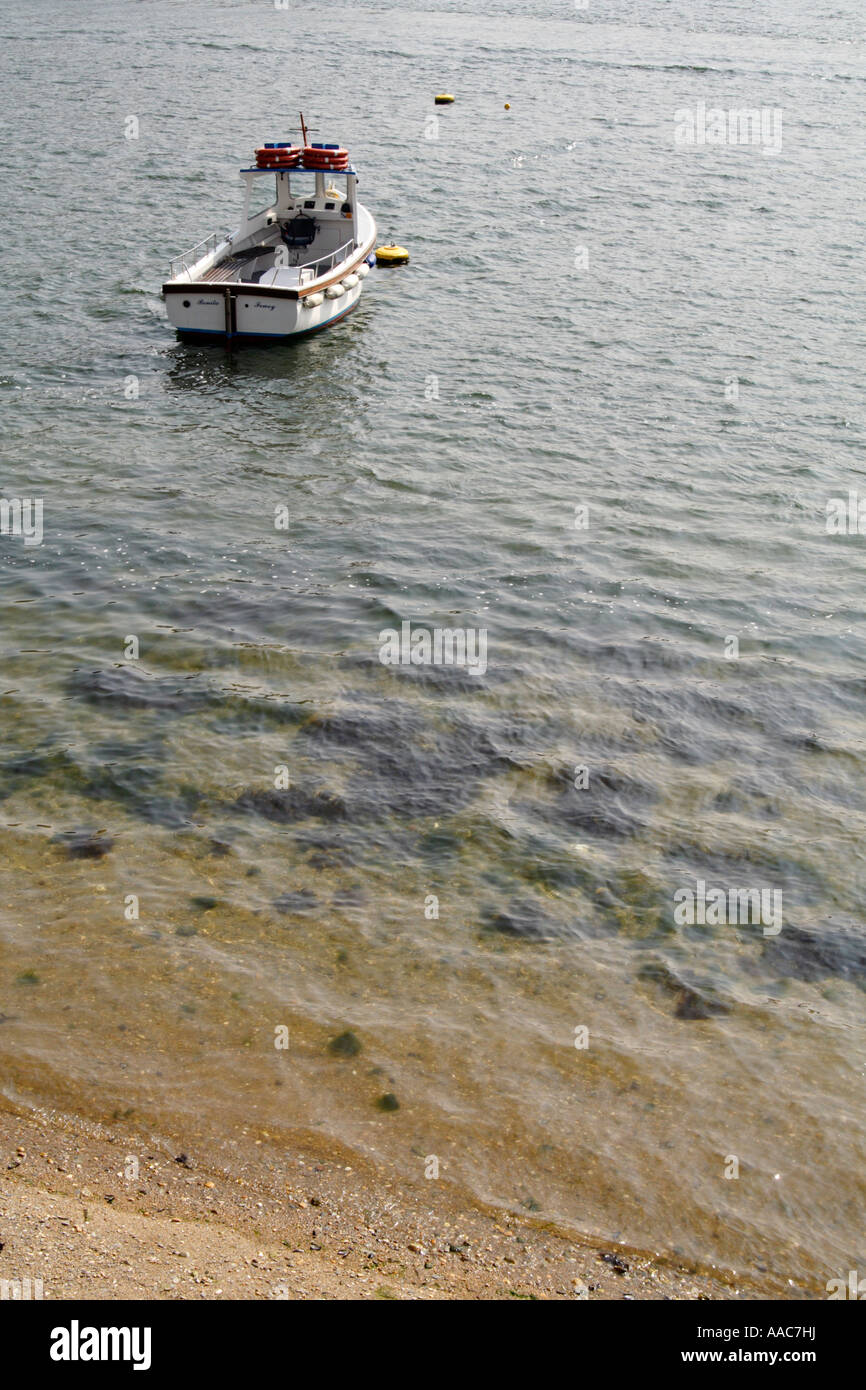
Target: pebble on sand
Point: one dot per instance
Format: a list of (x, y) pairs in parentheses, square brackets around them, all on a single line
[(388, 1102)]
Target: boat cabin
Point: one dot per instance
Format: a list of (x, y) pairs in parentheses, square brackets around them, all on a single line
[(297, 223)]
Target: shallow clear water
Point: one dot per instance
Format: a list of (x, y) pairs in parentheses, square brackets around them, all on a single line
[(583, 302)]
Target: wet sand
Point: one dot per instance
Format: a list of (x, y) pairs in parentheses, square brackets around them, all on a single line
[(318, 1228)]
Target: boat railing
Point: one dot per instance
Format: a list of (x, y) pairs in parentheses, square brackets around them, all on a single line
[(311, 270), (305, 275), (322, 264), (186, 259)]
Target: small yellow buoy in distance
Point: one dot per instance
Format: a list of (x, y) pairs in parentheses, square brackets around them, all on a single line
[(508, 105), (392, 255), (443, 99)]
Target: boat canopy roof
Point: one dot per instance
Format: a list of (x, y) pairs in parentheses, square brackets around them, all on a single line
[(296, 169)]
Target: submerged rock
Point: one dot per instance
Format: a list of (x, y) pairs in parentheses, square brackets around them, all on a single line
[(125, 688), (690, 1004), (813, 953), (42, 762), (293, 804), (410, 767), (349, 897), (301, 901), (172, 812), (109, 772), (556, 872), (85, 844), (357, 729), (692, 1000), (345, 1045), (612, 806), (326, 852), (521, 919)]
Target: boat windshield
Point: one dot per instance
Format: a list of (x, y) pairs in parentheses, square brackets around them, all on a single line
[(302, 183), (263, 194)]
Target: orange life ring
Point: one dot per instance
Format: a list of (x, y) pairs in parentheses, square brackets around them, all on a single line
[(317, 157), (278, 154)]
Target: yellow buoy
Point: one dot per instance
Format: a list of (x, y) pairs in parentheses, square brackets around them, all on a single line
[(391, 255), (508, 105), (443, 99)]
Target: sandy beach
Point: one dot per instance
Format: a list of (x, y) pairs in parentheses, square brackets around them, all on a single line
[(322, 1229)]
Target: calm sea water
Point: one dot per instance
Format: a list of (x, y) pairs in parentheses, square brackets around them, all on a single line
[(596, 323)]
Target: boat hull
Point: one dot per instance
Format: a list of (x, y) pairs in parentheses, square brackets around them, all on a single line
[(238, 311)]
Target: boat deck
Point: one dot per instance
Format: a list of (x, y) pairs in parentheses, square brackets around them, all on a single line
[(226, 270), (262, 268)]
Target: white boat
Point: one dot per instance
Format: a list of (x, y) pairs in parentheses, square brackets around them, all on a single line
[(295, 265)]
